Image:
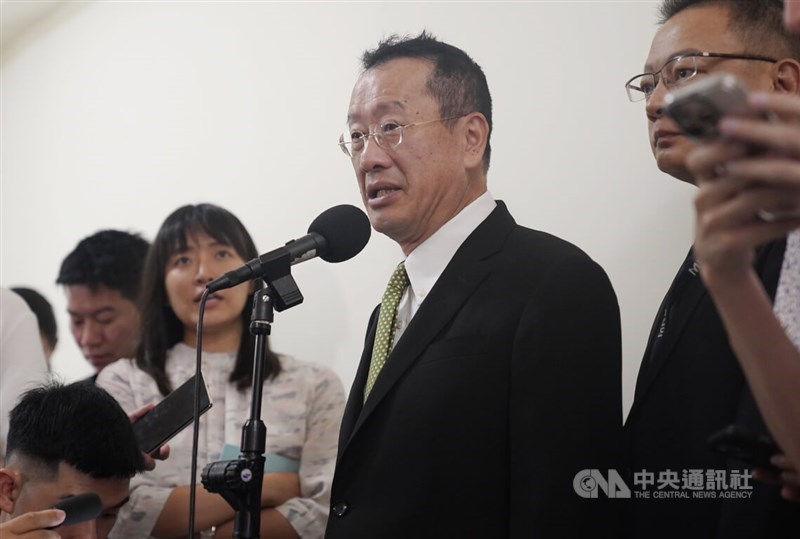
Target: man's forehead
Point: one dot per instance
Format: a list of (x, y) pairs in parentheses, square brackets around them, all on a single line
[(694, 29), (85, 292), (396, 85)]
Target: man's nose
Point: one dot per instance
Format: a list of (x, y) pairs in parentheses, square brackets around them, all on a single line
[(655, 103), (373, 155), (91, 333)]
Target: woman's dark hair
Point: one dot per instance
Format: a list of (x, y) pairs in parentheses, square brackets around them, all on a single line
[(161, 329), (43, 311)]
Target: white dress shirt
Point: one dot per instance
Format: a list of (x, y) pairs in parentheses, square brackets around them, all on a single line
[(427, 262)]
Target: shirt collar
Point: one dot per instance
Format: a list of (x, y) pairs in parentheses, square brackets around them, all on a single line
[(427, 262)]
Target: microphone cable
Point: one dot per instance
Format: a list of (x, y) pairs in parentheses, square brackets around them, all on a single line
[(196, 422)]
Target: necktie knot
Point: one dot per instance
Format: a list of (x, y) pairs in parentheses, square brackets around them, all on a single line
[(397, 283)]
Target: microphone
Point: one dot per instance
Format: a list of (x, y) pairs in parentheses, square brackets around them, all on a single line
[(336, 235), (80, 508)]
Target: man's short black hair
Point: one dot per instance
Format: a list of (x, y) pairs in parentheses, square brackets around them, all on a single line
[(43, 311), (758, 22), (78, 424), (457, 83), (110, 258)]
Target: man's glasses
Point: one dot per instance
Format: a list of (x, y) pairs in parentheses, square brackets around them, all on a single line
[(388, 136), (677, 71)]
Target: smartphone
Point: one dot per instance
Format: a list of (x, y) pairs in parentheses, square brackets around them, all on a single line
[(170, 416), (736, 442), (698, 107)]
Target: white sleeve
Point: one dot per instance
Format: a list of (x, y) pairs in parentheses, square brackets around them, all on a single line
[(22, 362), (147, 497)]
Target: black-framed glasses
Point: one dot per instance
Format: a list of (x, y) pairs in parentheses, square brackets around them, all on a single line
[(677, 70), (388, 135)]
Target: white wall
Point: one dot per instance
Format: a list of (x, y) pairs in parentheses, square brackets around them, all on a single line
[(114, 114)]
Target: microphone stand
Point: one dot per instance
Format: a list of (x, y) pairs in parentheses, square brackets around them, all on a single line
[(240, 481)]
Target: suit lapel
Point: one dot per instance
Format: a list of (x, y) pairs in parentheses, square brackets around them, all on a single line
[(692, 296), (469, 266), (356, 399), (689, 298)]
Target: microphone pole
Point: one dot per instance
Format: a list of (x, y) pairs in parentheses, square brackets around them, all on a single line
[(336, 235), (240, 481)]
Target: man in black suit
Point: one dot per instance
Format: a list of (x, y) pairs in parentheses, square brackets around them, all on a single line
[(502, 382), (690, 385)]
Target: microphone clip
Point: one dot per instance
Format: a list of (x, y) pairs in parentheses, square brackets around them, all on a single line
[(285, 293), (276, 271)]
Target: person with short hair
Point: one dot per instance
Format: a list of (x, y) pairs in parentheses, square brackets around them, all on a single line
[(491, 372), (66, 440), (101, 277)]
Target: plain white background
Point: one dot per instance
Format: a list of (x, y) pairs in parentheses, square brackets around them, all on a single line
[(116, 113)]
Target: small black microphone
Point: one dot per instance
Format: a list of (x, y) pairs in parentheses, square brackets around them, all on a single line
[(336, 235), (80, 508)]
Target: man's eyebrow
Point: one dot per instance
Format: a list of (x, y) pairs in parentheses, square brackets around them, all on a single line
[(382, 107), (101, 310), (648, 68)]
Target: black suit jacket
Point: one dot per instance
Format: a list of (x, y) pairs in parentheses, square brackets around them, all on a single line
[(689, 386), (503, 386)]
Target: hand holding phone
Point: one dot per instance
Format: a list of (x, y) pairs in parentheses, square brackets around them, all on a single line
[(170, 416)]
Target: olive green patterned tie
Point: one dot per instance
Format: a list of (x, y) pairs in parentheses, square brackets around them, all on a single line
[(387, 325)]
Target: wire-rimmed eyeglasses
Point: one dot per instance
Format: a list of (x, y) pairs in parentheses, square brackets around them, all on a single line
[(676, 71), (388, 135)]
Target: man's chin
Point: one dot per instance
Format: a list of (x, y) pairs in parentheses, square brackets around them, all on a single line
[(675, 168)]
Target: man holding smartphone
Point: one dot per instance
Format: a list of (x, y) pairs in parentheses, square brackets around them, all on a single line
[(690, 384)]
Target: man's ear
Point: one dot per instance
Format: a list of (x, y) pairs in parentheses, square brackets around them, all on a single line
[(477, 136), (787, 76), (10, 486)]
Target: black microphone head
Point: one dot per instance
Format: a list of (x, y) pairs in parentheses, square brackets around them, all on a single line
[(80, 508), (345, 229)]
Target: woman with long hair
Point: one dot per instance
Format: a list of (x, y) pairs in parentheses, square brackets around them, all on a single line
[(302, 403)]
